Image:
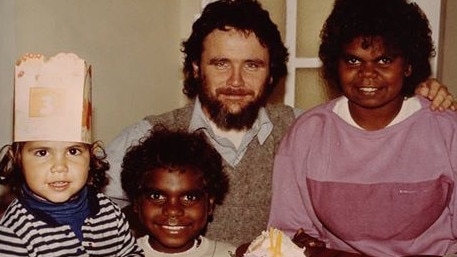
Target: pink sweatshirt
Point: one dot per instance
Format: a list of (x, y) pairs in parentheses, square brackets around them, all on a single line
[(388, 192)]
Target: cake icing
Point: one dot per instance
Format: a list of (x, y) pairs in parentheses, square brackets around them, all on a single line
[(273, 243)]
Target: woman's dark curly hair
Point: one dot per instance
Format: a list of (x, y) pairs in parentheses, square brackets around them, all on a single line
[(243, 15), (11, 167), (173, 150), (403, 27)]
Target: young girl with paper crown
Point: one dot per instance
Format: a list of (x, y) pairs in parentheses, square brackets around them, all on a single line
[(55, 170)]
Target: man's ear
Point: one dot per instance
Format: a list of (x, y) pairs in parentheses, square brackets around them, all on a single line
[(196, 69)]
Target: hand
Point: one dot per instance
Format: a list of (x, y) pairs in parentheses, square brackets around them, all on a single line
[(304, 240), (439, 94), (316, 248), (240, 250)]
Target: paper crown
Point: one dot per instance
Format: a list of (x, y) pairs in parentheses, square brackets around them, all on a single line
[(52, 99)]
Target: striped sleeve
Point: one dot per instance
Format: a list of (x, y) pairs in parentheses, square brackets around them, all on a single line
[(10, 243), (108, 233)]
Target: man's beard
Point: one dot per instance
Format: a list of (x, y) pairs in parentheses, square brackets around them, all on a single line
[(224, 119)]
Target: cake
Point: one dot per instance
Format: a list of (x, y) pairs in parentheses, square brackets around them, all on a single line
[(273, 243)]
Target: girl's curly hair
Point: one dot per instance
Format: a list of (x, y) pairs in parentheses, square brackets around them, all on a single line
[(11, 167), (403, 27), (173, 150)]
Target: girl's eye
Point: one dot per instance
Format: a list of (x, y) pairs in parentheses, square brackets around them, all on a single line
[(190, 199), (352, 61), (74, 151), (385, 60), (41, 152), (156, 196)]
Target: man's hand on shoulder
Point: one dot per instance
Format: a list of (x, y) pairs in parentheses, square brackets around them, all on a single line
[(439, 94)]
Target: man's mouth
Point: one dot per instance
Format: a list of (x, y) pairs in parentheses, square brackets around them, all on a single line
[(234, 92)]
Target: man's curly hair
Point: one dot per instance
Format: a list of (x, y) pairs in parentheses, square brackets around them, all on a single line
[(246, 16), (403, 27), (11, 173), (173, 150)]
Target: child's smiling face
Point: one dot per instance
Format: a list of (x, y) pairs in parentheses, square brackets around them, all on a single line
[(55, 170), (174, 208)]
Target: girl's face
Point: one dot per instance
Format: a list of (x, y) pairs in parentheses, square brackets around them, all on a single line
[(372, 78), (55, 170), (174, 208)]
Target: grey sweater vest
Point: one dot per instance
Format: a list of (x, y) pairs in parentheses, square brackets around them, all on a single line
[(244, 213)]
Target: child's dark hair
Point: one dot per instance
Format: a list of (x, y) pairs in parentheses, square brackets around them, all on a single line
[(403, 27), (11, 173), (164, 148)]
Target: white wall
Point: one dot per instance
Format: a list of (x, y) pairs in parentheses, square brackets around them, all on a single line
[(449, 51), (133, 47), (7, 43)]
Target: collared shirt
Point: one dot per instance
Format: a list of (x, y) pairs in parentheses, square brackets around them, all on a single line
[(261, 129), (409, 107)]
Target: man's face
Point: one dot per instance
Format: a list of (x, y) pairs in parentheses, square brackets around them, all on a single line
[(234, 71)]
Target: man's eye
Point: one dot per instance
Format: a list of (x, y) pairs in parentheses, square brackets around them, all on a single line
[(220, 65), (252, 65)]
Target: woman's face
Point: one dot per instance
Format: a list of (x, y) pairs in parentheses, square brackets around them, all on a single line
[(371, 77), (174, 208)]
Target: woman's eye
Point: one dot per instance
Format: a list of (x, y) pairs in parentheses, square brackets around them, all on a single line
[(191, 198)]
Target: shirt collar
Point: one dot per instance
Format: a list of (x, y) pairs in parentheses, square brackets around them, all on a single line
[(262, 127)]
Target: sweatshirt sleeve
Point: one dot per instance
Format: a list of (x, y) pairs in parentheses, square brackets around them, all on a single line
[(290, 200), (448, 124)]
